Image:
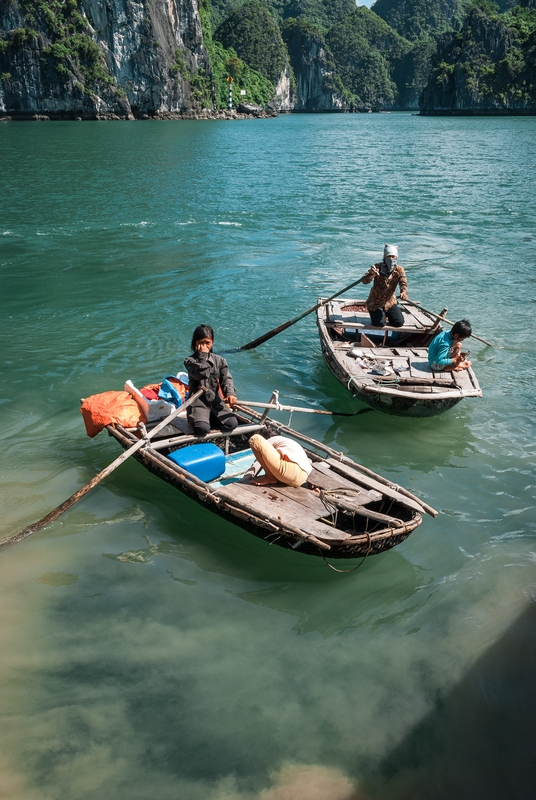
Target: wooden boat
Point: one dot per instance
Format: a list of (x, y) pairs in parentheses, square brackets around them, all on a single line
[(387, 368), (354, 512)]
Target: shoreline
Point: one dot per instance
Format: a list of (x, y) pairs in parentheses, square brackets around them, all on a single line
[(205, 114)]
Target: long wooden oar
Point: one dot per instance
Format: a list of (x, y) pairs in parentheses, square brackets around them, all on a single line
[(36, 526), (279, 407), (444, 319), (285, 325)]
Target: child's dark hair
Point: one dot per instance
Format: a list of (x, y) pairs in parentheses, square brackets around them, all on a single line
[(201, 332), (462, 329)]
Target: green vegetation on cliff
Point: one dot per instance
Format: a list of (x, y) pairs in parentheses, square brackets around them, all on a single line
[(213, 88), (254, 35), (323, 13), (365, 52), (490, 65), (73, 51), (418, 19)]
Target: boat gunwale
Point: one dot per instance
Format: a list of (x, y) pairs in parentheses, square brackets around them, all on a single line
[(351, 546), (369, 386)]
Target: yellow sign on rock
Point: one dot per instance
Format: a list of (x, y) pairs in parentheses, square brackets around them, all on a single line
[(230, 80)]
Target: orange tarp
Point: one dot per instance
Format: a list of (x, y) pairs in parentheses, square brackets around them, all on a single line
[(102, 409)]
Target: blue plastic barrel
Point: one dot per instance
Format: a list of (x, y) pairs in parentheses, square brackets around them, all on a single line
[(205, 461)]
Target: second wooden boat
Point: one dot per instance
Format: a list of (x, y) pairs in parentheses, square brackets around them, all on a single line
[(387, 368)]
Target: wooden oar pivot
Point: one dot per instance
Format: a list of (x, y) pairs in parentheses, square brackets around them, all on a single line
[(74, 498)]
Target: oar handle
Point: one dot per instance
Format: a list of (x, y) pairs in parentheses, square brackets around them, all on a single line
[(285, 325), (74, 498)]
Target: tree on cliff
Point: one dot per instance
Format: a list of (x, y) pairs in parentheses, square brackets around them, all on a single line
[(323, 13), (488, 67), (365, 51), (255, 36), (417, 19)]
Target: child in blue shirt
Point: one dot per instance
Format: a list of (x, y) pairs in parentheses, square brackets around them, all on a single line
[(444, 352)]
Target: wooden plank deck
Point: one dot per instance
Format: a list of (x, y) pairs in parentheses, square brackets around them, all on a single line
[(268, 501), (371, 483), (325, 478), (422, 318), (462, 379), (420, 369)]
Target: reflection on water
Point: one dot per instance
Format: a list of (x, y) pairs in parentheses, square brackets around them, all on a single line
[(332, 612), (340, 608), (422, 444), (57, 578)]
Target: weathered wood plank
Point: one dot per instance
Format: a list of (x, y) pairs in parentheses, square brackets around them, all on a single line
[(420, 352), (444, 378), (420, 369), (348, 503), (419, 315), (268, 502), (344, 323), (330, 480), (305, 497), (403, 351), (372, 484), (463, 380)]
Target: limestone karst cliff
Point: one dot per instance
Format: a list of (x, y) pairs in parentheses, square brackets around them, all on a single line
[(489, 67), (120, 59), (99, 58), (317, 86), (131, 59)]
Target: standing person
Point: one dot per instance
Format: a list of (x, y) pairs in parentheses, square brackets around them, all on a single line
[(282, 459), (206, 369), (387, 275), (444, 351)]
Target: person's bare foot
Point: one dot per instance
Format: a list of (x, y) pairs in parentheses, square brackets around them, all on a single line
[(462, 365), (264, 480)]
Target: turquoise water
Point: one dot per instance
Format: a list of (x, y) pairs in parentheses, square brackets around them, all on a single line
[(152, 650)]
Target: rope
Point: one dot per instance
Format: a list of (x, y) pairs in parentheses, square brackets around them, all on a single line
[(324, 496), (353, 568), (144, 433), (350, 379), (386, 382)]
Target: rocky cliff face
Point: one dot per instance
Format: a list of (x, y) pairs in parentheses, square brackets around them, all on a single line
[(487, 68), (114, 59), (316, 85), (99, 59)]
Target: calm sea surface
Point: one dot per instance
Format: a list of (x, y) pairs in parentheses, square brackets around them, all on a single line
[(150, 650)]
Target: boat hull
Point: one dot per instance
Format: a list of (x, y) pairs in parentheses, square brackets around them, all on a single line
[(399, 405), (272, 527), (408, 387)]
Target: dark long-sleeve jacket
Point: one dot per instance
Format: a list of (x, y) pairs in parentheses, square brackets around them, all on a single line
[(210, 371)]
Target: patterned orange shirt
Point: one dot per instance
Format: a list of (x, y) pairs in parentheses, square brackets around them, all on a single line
[(382, 294)]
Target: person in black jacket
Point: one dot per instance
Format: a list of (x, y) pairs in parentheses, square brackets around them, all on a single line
[(210, 371)]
